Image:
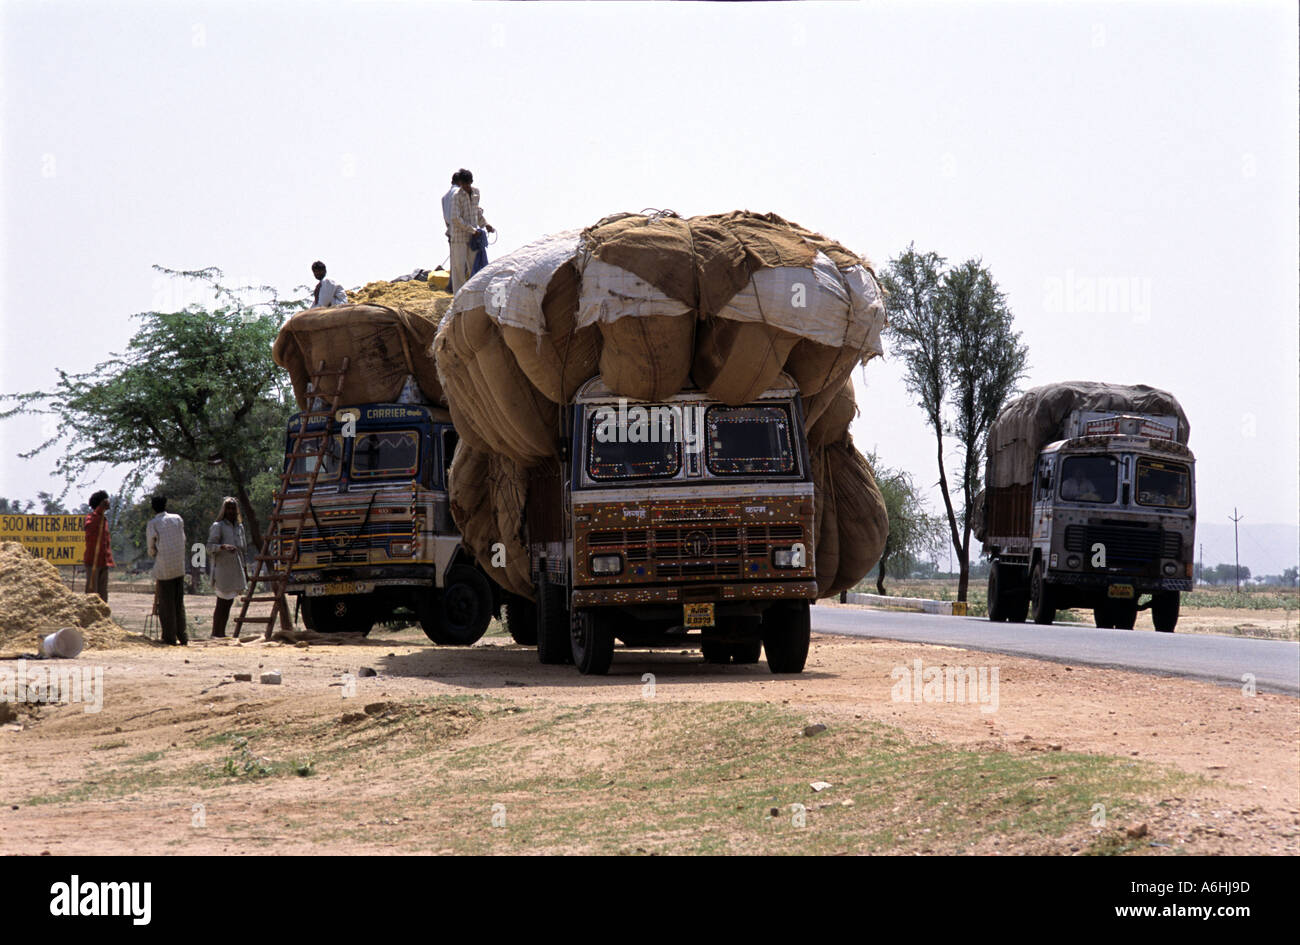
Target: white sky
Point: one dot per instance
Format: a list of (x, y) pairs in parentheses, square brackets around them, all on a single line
[(1154, 146)]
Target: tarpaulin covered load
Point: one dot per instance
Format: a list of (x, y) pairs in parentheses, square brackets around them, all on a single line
[(1039, 417), (650, 301), (384, 346)]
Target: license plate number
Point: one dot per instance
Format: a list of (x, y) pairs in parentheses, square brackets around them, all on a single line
[(345, 587), (698, 615), (1124, 591)]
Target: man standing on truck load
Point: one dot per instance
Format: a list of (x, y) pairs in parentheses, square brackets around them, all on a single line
[(466, 218), (165, 541), (447, 200), (99, 551), (327, 293)]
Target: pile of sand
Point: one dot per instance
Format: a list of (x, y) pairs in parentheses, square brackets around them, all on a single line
[(34, 601)]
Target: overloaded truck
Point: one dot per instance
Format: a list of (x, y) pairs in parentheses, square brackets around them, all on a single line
[(654, 448), (668, 518), (1089, 502), (368, 482)]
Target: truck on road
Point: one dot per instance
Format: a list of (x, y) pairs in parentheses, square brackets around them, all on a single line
[(671, 519), (1089, 502)]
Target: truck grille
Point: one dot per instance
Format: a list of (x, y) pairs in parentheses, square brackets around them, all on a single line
[(695, 551), (1125, 544)]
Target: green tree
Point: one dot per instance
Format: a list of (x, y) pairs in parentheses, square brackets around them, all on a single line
[(962, 362), (913, 532), (195, 387)]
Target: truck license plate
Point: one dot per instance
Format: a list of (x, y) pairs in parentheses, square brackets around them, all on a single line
[(1124, 591), (699, 615), (344, 587)]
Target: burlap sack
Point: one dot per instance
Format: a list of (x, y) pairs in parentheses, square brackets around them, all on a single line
[(861, 514), (558, 361), (493, 396), (736, 361), (833, 412), (826, 530), (383, 346), (646, 357), (486, 499)]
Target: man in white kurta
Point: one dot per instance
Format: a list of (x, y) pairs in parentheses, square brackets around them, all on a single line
[(466, 217)]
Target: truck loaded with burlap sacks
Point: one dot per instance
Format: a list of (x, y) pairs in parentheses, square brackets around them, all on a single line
[(653, 416), (1089, 502), (376, 536)]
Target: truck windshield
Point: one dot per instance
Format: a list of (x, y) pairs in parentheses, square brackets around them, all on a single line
[(637, 449), (1089, 479), (748, 441), (385, 453), (329, 461), (1164, 484)]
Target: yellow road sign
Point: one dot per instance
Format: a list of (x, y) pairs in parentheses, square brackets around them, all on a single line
[(60, 539)]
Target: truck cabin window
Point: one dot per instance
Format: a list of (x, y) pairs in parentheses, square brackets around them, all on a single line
[(646, 445), (1168, 485), (748, 441), (329, 460), (387, 453), (1089, 479)]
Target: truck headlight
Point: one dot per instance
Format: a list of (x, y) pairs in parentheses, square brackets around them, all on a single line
[(789, 557), (1073, 561), (606, 564), (1170, 569)]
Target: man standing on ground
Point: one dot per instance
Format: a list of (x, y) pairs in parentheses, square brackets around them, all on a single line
[(165, 538), (98, 557), (327, 293), (466, 218)]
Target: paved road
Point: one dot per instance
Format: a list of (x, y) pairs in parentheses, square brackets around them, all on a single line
[(1223, 660)]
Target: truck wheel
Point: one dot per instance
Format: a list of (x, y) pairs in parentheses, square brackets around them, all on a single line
[(1041, 603), (787, 626), (592, 639), (1124, 614), (521, 619), (466, 606), (553, 645), (1102, 617), (1164, 611), (346, 614), (997, 603), (714, 652), (745, 653)]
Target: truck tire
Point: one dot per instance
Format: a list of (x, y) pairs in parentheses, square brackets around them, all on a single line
[(592, 641), (521, 619), (466, 607), (553, 646), (1042, 605), (998, 598), (1164, 610), (746, 653), (350, 613), (787, 627), (1102, 617), (714, 652)]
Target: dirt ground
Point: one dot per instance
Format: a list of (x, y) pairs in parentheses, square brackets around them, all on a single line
[(138, 776)]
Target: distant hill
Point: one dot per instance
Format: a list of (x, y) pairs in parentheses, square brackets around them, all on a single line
[(1265, 549)]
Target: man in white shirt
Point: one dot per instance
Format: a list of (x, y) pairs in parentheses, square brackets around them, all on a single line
[(466, 217), (165, 541), (327, 293), (447, 198)]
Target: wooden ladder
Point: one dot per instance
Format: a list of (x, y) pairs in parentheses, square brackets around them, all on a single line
[(272, 567)]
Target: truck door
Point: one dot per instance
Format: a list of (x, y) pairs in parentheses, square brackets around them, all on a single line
[(1044, 482)]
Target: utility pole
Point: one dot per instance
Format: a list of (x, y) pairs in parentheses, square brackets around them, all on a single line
[(1202, 561), (1236, 548)]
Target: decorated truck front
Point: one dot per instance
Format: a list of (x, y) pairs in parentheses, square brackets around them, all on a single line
[(682, 517), (377, 537)]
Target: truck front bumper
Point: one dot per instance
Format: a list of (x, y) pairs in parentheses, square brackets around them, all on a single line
[(1141, 584), (694, 593)]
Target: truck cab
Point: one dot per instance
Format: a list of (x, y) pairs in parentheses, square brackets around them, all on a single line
[(1112, 518), (687, 522), (377, 535)]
